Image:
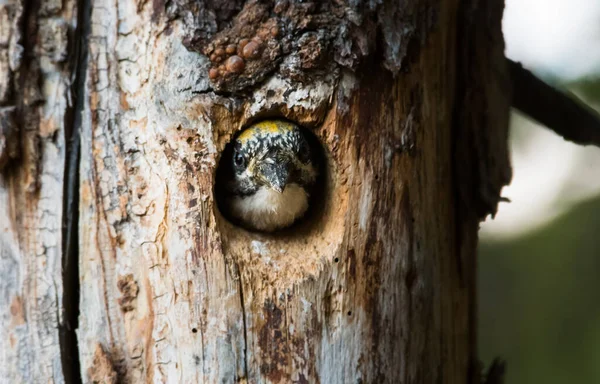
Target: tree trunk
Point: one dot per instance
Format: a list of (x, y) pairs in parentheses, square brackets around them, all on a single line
[(36, 66), (377, 285)]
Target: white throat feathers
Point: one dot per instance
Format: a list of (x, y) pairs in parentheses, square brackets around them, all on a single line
[(268, 210)]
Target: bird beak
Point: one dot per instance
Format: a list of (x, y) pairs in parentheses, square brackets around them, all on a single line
[(276, 174)]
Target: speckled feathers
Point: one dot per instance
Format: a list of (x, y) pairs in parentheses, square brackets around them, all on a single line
[(272, 172), (261, 137)]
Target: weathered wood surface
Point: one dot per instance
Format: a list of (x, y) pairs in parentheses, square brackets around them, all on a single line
[(377, 286), (35, 81)]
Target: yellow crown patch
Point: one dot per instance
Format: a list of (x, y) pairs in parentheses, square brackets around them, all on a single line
[(267, 127)]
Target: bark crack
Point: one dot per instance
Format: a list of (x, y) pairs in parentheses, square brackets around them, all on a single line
[(69, 348), (244, 325)]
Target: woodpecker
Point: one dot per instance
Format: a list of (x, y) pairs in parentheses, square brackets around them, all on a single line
[(270, 171)]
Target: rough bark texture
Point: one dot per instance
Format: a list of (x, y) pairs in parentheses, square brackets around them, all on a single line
[(35, 75), (376, 286)]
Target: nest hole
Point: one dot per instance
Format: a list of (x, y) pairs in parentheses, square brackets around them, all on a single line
[(300, 250), (317, 198)]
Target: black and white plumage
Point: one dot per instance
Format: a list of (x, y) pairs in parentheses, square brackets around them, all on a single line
[(269, 176)]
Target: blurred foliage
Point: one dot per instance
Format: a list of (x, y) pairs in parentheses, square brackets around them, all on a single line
[(539, 294), (539, 300), (588, 88)]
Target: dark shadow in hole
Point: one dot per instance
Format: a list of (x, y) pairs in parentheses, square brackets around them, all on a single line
[(320, 193)]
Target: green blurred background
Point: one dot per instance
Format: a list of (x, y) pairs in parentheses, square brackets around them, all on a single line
[(539, 261), (539, 300)]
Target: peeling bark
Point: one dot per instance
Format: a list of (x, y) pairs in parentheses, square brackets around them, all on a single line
[(35, 76), (376, 285)]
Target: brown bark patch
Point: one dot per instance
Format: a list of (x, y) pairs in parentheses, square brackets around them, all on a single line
[(273, 344), (17, 311), (284, 356), (102, 370), (300, 40), (129, 290)]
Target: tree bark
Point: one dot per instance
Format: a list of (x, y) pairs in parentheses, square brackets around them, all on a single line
[(377, 285), (35, 114)]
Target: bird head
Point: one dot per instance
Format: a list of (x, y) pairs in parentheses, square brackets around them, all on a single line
[(272, 154)]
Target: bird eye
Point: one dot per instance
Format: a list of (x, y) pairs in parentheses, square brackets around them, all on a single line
[(238, 160)]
